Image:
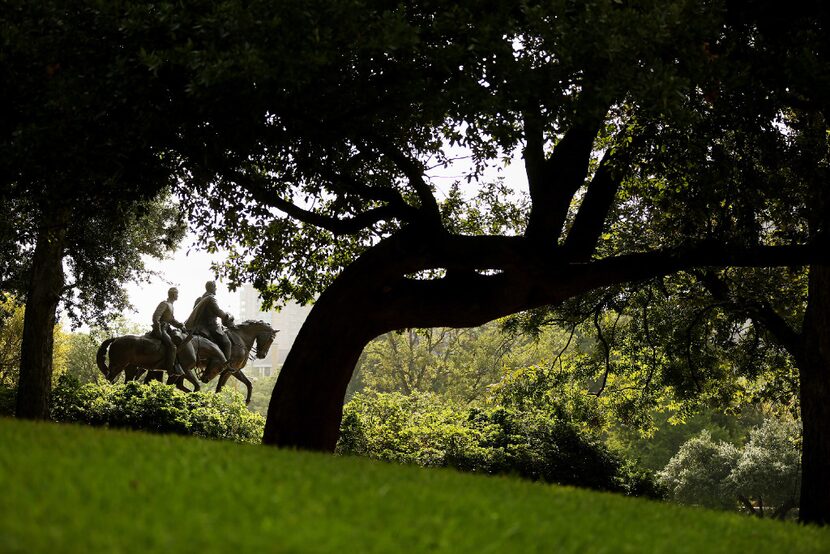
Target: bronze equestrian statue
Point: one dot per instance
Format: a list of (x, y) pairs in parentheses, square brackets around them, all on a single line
[(132, 354), (208, 346)]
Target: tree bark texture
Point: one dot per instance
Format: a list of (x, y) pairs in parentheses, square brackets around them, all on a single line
[(45, 288), (814, 368)]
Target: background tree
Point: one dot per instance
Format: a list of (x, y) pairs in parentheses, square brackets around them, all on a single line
[(11, 333), (762, 474), (726, 337), (673, 427), (625, 115), (696, 474), (101, 254), (768, 469), (614, 86), (12, 315), (459, 364)]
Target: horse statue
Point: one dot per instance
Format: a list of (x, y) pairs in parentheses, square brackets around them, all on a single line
[(133, 354), (245, 337)]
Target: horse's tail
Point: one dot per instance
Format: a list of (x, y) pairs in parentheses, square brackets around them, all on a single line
[(101, 357)]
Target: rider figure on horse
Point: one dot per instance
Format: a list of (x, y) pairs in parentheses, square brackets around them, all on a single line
[(162, 320), (203, 319)]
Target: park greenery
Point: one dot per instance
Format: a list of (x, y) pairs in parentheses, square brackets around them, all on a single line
[(534, 419), (422, 429), (157, 408), (668, 257)]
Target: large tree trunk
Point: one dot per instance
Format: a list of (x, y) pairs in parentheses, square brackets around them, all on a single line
[(814, 368), (371, 297), (814, 363), (307, 403), (45, 288)]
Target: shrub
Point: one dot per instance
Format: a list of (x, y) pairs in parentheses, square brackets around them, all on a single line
[(157, 408), (425, 430), (769, 467), (697, 473)]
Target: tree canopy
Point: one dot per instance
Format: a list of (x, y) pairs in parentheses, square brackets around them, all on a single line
[(82, 172)]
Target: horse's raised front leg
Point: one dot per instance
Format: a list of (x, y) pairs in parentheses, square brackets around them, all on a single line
[(190, 376), (250, 386), (178, 380)]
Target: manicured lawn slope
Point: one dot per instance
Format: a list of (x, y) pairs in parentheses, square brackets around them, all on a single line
[(75, 489)]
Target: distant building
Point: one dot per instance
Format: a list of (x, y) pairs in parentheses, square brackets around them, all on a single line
[(288, 321)]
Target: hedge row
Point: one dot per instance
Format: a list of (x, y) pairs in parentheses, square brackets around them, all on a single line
[(157, 408)]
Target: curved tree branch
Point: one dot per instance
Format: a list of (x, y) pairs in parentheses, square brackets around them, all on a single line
[(258, 188), (414, 172), (760, 312), (470, 299), (348, 184)]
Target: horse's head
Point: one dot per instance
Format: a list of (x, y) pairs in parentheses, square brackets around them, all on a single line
[(256, 336), (264, 340)]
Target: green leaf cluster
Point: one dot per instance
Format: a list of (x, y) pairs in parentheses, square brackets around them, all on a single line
[(12, 315), (426, 430), (669, 342)]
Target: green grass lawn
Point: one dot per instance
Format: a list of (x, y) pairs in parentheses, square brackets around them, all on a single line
[(67, 488)]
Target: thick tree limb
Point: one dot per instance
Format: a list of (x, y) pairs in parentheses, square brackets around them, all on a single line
[(536, 164), (258, 186), (471, 299), (554, 181), (587, 227)]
